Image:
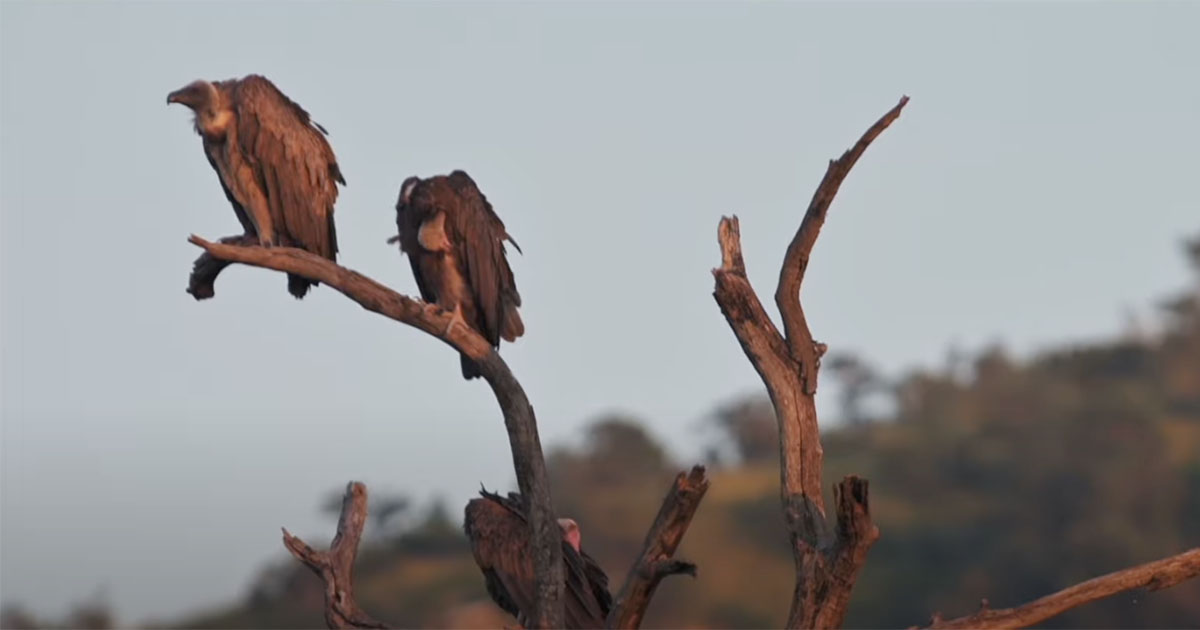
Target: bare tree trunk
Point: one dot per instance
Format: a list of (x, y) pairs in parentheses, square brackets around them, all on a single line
[(827, 563), (519, 418)]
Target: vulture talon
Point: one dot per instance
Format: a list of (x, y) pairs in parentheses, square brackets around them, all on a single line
[(456, 319)]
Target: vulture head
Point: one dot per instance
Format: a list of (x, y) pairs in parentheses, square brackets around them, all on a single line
[(570, 532), (205, 100), (406, 190)]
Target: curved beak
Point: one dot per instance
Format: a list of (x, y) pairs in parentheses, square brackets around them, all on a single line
[(174, 97)]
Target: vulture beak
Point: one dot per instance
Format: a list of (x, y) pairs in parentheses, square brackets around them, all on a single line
[(185, 95)]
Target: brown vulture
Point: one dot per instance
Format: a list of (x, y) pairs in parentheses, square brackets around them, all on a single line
[(273, 161), (499, 536), (455, 243)]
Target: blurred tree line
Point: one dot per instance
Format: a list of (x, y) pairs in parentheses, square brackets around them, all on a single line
[(991, 478)]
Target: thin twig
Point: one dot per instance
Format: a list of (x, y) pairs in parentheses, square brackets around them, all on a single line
[(519, 419), (1150, 576), (336, 566), (656, 560)]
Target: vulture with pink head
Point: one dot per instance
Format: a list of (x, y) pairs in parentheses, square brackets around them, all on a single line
[(499, 535)]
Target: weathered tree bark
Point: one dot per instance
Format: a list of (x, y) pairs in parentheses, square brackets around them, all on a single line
[(1150, 576), (657, 558), (519, 419), (336, 566), (827, 563)]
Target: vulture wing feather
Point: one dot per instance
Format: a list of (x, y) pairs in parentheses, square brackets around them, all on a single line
[(479, 235), (293, 163), (496, 533), (408, 224), (243, 218)]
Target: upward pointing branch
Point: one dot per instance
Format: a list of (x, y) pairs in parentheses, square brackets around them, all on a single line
[(827, 561), (795, 262), (519, 419), (336, 566)]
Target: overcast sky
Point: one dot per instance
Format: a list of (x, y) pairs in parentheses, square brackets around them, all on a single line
[(1036, 187)]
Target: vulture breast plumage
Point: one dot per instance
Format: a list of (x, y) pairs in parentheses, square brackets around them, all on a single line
[(499, 535), (455, 243), (274, 163)]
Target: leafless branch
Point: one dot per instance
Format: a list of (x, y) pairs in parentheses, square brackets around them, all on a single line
[(795, 262), (827, 563), (656, 561), (519, 419), (336, 566), (1151, 576)]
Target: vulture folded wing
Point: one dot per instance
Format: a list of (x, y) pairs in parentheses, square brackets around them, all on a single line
[(244, 218), (581, 608), (408, 224), (480, 236), (498, 541), (293, 163), (598, 579), (423, 285), (498, 532)]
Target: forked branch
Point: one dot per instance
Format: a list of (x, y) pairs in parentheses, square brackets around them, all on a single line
[(519, 419), (827, 562), (336, 566), (657, 558), (1151, 576)]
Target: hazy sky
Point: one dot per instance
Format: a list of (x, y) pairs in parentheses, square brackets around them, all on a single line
[(1037, 185)]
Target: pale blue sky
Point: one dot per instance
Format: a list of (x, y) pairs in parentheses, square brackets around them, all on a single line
[(1036, 186)]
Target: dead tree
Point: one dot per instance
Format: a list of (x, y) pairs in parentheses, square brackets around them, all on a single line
[(519, 419), (827, 559), (827, 562), (335, 568)]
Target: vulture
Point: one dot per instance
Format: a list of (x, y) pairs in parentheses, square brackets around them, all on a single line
[(499, 536), (455, 243), (273, 161)]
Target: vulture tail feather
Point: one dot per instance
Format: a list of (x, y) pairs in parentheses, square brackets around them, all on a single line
[(470, 369), (513, 326), (298, 286)]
